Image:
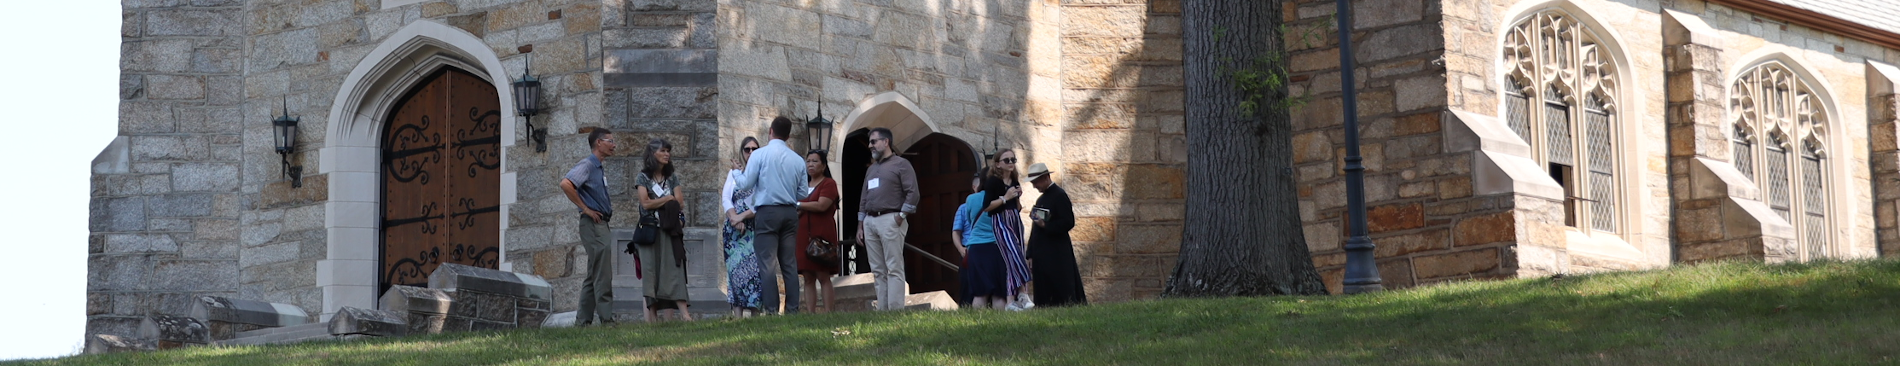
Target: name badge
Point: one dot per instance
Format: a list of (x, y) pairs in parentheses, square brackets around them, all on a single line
[(872, 184)]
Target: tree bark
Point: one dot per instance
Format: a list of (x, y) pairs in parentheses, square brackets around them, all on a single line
[(1242, 234)]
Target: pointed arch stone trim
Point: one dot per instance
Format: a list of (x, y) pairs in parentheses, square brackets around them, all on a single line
[(347, 274)]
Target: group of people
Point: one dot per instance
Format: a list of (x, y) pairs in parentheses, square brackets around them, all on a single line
[(988, 230), (778, 203)]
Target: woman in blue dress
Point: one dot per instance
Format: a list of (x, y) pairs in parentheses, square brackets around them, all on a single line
[(742, 263)]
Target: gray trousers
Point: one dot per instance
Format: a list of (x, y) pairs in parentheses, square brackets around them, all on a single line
[(597, 289), (776, 241)]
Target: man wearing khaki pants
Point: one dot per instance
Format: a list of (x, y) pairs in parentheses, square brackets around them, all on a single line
[(890, 195)]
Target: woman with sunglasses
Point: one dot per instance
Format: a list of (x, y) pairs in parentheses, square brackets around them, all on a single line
[(742, 261), (1000, 196)]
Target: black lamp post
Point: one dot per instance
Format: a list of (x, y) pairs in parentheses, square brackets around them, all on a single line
[(528, 103), (1362, 272), (818, 131), (284, 132)]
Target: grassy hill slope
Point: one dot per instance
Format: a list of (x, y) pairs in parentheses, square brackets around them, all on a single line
[(1721, 314)]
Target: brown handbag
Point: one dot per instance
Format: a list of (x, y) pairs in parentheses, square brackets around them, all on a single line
[(821, 251)]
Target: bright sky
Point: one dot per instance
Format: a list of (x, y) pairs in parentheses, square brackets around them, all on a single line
[(59, 104)]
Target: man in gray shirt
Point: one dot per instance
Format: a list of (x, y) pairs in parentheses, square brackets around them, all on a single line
[(890, 196), (776, 176), (586, 186)]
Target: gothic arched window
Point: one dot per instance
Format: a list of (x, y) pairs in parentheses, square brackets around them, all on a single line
[(1560, 97), (1771, 101)]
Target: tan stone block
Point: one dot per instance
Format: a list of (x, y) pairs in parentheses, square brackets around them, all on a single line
[(1104, 21), (1097, 116), (1454, 187), (1322, 237), (1421, 123), (1148, 239), (1314, 60), (1396, 273), (582, 18), (1417, 189), (1093, 229), (1334, 279), (515, 16), (1699, 225), (1395, 217), (1101, 45), (438, 8), (279, 193), (552, 263), (1100, 71), (1311, 147), (1375, 102), (1493, 228), (1329, 260), (1456, 263), (563, 55), (1156, 182), (1162, 212), (1401, 245)]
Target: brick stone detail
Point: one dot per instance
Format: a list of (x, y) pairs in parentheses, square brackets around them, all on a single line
[(1719, 214), (1883, 119)]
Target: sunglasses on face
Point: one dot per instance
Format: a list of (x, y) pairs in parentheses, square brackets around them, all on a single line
[(1009, 160), (748, 150)]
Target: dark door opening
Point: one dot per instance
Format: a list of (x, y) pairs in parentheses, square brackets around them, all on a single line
[(944, 166)]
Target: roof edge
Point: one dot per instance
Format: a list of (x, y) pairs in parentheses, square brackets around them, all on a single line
[(1816, 20)]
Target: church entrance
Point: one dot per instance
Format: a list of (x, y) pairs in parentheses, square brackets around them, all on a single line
[(441, 178), (944, 165)]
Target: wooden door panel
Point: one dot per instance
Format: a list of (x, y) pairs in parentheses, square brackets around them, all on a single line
[(944, 166), (441, 179)]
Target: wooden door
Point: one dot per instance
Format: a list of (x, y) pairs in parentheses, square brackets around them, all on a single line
[(441, 160), (944, 166)]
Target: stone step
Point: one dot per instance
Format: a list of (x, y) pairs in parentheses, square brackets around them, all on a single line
[(290, 334)]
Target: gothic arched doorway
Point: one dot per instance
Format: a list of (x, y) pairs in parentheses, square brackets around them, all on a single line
[(944, 165), (441, 179)]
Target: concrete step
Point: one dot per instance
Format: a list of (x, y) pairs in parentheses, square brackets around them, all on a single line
[(934, 300), (281, 335)]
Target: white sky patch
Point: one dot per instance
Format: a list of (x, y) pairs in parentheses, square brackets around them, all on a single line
[(58, 108)]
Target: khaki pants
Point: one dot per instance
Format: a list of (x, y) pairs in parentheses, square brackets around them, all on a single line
[(597, 289), (884, 242)]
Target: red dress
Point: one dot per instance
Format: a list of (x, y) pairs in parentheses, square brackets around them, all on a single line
[(823, 224)]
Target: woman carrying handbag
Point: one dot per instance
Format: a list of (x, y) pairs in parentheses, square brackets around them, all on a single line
[(818, 231)]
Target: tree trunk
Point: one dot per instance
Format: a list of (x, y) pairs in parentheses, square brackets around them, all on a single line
[(1242, 234)]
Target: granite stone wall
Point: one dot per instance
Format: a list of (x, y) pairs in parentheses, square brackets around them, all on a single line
[(166, 202)]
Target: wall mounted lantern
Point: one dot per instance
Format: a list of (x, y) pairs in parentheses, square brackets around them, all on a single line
[(528, 103), (818, 131), (284, 132)]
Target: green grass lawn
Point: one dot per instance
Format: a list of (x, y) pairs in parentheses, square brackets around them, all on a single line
[(1721, 314)]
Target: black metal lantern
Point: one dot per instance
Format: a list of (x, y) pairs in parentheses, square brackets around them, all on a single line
[(528, 103), (284, 132), (818, 131)]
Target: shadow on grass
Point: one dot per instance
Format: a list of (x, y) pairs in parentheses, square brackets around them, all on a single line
[(1730, 313)]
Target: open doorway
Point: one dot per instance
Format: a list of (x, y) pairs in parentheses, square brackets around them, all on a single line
[(944, 166)]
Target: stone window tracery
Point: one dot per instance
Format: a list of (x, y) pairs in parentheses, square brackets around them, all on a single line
[(1560, 97), (1770, 101)]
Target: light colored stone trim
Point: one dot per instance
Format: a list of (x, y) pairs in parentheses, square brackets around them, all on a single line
[(1501, 163), (392, 4), (350, 149), (1629, 154), (1839, 174), (115, 159), (873, 112)]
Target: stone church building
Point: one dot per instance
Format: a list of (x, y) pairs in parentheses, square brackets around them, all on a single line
[(1503, 138)]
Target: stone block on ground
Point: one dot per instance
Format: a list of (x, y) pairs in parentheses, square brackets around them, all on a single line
[(171, 331), (559, 320), (107, 343), (424, 309), (934, 300), (225, 317), (857, 292), (456, 277), (353, 320), (416, 300)]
